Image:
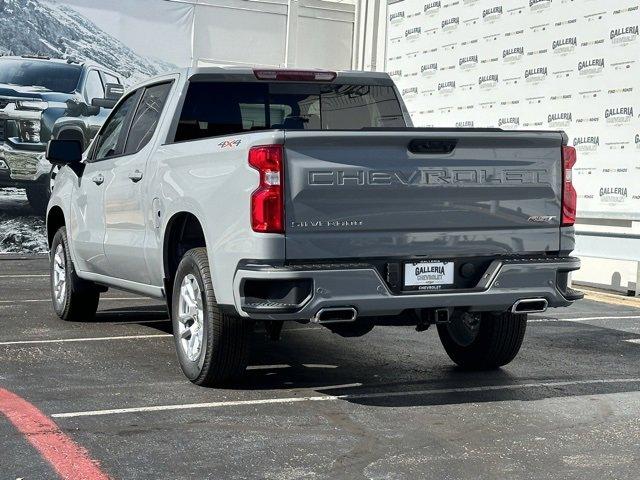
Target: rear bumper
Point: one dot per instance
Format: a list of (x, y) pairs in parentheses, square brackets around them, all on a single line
[(361, 287)]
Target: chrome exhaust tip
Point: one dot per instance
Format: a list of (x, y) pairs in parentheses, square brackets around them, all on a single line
[(530, 305), (335, 315)]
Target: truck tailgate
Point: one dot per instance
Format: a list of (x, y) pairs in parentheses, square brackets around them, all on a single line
[(413, 192)]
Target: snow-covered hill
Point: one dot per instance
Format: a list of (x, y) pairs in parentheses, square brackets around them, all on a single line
[(56, 30)]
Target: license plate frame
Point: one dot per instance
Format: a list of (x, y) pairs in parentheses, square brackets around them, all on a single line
[(436, 275)]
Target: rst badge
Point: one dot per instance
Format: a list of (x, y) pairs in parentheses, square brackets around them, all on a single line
[(542, 218)]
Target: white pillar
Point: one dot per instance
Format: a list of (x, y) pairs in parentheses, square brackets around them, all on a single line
[(291, 43)]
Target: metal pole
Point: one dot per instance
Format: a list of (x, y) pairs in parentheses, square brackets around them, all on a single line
[(374, 35)]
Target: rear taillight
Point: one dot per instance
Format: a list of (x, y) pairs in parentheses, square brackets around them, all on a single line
[(569, 195), (295, 75), (267, 202)]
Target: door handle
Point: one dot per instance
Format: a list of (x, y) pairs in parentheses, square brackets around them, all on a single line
[(135, 176), (98, 179)]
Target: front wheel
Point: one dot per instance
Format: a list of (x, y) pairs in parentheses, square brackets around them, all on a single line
[(483, 341), (38, 195), (73, 299), (212, 346)]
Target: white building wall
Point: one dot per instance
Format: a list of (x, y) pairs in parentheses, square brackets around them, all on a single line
[(283, 33)]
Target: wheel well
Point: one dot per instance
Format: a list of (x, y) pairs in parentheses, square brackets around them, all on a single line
[(55, 220), (183, 233)]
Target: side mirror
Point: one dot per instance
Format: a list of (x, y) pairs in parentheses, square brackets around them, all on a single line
[(64, 152), (103, 102), (112, 93)]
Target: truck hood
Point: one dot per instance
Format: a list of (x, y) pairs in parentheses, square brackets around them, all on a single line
[(31, 92), (8, 90)]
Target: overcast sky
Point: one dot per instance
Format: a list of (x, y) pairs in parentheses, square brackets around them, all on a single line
[(153, 28)]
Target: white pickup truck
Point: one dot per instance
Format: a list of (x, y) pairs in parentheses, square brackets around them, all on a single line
[(243, 195)]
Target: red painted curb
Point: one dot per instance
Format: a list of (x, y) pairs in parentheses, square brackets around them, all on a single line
[(69, 460)]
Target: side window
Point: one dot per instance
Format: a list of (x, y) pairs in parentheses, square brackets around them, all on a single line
[(93, 86), (147, 116), (108, 78), (108, 143)]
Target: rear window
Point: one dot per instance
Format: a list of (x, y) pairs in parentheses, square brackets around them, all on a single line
[(216, 108)]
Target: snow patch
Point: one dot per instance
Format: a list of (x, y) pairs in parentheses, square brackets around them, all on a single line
[(20, 230)]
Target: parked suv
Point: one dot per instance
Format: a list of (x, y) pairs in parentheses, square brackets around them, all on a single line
[(242, 195), (43, 98)]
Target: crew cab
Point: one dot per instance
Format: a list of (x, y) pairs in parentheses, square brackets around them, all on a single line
[(245, 195), (43, 98)]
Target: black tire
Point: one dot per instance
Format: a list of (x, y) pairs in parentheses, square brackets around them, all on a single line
[(79, 301), (497, 341), (224, 346), (38, 197)]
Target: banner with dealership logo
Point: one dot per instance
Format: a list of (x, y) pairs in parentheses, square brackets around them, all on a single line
[(531, 64)]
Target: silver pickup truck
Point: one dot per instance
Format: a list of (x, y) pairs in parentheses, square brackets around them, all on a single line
[(246, 195)]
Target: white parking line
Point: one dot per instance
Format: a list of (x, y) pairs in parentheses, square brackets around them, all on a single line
[(21, 275), (117, 313), (286, 365), (39, 300), (581, 319), (133, 322), (333, 398), (83, 339), (633, 340), (308, 328), (268, 367)]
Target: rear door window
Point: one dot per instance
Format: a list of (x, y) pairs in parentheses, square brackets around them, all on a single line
[(224, 108), (146, 117), (111, 136)]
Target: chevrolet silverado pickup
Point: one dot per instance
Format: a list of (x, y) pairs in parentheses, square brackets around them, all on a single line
[(244, 196), (43, 98)]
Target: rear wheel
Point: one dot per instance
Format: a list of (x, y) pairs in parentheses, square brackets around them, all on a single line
[(73, 299), (212, 346), (483, 341)]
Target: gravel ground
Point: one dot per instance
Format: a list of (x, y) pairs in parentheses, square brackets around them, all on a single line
[(20, 230)]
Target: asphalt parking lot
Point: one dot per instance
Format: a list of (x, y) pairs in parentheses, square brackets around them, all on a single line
[(389, 405)]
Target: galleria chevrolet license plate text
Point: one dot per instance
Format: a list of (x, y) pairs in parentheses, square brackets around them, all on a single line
[(428, 274)]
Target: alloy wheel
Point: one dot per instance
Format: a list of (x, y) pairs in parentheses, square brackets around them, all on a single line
[(191, 317), (463, 328), (59, 275)]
